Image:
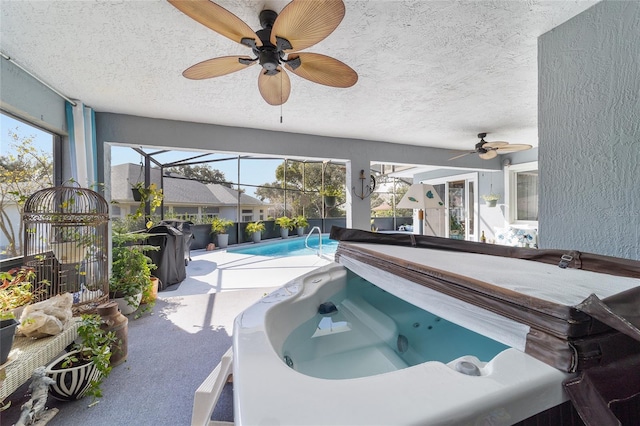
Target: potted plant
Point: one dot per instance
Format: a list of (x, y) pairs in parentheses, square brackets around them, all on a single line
[(81, 371), (491, 199), (255, 229), (330, 195), (151, 194), (300, 222), (286, 224), (8, 326), (72, 245), (219, 226), (17, 290), (130, 270)]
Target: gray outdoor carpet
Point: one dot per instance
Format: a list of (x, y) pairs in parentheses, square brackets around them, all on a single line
[(165, 365)]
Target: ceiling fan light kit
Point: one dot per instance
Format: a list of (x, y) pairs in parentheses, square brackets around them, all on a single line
[(300, 25), (488, 150)]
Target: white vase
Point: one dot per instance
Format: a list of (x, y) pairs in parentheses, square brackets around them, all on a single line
[(223, 240), (69, 252), (256, 236), (284, 232), (127, 308)]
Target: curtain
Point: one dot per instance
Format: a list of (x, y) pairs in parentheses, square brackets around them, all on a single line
[(82, 144)]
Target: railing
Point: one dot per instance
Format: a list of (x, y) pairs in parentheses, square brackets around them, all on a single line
[(306, 240)]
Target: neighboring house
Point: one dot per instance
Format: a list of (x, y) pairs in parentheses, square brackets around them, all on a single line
[(251, 209), (183, 198)]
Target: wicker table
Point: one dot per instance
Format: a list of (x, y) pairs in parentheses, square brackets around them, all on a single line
[(27, 354)]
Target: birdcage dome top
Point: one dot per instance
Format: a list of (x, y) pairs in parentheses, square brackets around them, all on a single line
[(67, 200)]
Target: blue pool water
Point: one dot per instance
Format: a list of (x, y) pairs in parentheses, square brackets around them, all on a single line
[(290, 247)]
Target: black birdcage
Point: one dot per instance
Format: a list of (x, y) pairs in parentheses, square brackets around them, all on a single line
[(66, 242)]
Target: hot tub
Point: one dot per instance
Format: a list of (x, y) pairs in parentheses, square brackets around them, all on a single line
[(332, 348)]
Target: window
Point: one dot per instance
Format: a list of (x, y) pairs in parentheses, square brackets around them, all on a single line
[(522, 192), (26, 166), (247, 215)]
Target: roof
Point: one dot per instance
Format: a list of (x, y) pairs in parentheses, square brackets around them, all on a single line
[(228, 195), (177, 190)]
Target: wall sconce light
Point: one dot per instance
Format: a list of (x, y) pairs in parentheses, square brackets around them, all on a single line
[(365, 190)]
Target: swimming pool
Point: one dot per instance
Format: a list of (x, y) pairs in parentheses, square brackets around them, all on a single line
[(290, 247)]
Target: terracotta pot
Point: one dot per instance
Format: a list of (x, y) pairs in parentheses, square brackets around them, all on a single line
[(154, 283)]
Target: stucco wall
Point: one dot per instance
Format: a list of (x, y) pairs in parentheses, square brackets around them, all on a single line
[(589, 132)]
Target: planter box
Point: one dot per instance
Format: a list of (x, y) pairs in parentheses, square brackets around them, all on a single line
[(201, 236)]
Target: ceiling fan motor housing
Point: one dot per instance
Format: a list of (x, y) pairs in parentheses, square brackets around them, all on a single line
[(479, 145), (269, 56)]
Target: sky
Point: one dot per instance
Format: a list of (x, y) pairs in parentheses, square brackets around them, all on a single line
[(42, 140), (253, 172)]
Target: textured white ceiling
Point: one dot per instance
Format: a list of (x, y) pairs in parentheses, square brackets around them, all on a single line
[(432, 73)]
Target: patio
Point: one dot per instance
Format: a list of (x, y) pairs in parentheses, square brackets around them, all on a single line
[(173, 350)]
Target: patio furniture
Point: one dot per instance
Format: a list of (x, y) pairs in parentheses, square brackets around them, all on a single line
[(27, 354)]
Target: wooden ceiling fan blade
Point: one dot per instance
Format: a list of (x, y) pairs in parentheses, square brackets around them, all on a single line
[(216, 67), (495, 144), (274, 89), (461, 155), (513, 148), (306, 22), (489, 155), (322, 69), (217, 18)]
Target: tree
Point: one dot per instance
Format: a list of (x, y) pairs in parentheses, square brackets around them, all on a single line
[(25, 170), (303, 183), (392, 184), (204, 174)]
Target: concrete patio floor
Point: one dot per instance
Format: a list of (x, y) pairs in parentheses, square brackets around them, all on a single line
[(221, 271), (173, 349)]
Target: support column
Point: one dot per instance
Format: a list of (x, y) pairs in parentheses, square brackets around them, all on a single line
[(358, 210)]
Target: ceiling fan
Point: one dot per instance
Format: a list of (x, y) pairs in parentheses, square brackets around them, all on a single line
[(301, 24), (488, 150)]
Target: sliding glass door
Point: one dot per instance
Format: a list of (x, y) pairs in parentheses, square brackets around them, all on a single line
[(459, 218)]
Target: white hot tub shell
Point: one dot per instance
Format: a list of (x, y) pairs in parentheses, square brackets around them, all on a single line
[(511, 387)]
